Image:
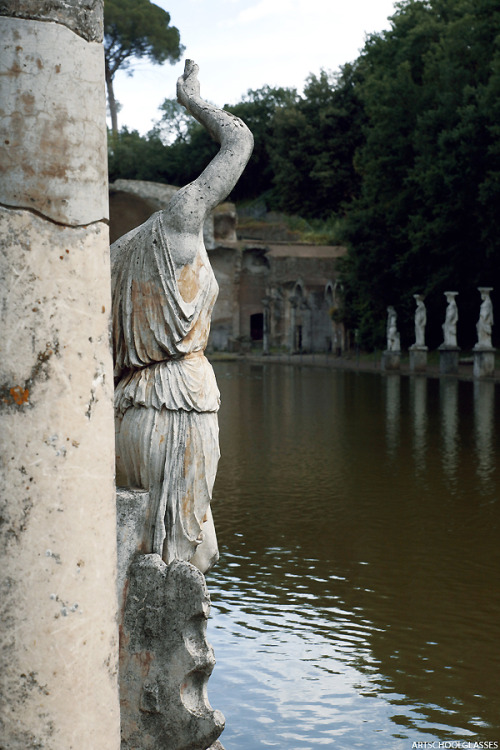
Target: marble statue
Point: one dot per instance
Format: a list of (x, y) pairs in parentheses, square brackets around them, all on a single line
[(166, 398), (485, 322), (393, 342), (450, 322), (420, 321)]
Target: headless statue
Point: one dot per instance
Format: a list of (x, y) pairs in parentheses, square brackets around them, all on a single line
[(393, 341), (166, 398), (450, 321), (420, 321), (485, 323)]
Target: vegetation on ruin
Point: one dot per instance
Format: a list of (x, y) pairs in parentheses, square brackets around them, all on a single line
[(397, 155)]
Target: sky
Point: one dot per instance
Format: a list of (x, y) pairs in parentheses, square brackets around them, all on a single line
[(246, 44)]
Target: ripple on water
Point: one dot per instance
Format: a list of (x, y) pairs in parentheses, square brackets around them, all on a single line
[(356, 602)]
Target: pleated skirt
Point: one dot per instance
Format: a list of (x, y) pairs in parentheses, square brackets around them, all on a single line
[(173, 455)]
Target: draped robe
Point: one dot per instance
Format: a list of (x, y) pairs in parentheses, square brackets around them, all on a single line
[(166, 398)]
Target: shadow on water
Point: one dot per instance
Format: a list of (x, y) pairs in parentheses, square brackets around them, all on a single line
[(356, 603)]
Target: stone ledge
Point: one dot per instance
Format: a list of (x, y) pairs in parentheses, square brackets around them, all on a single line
[(84, 17)]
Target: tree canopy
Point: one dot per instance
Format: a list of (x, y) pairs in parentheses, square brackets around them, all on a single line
[(423, 221), (136, 29)]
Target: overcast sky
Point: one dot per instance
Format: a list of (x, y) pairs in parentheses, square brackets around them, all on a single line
[(245, 44)]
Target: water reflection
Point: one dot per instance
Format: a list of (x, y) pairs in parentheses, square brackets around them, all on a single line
[(356, 602), (484, 398), (392, 411), (449, 416), (419, 398)]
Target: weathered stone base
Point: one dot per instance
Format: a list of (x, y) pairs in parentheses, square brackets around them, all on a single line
[(390, 361), (132, 510), (165, 659), (418, 359), (484, 363), (448, 361)]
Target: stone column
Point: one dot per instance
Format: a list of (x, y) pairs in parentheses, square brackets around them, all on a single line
[(58, 672)]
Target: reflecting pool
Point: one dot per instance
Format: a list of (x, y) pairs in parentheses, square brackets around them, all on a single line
[(356, 603)]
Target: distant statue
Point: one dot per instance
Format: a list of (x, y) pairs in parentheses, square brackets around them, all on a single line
[(166, 399), (393, 342), (450, 321), (485, 323), (420, 321)]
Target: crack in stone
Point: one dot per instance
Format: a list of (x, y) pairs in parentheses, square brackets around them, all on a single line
[(53, 221)]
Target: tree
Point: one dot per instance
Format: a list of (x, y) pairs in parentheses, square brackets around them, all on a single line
[(135, 29), (193, 147), (313, 144), (426, 219), (175, 122), (258, 110)]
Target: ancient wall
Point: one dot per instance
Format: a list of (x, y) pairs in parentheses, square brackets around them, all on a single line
[(226, 262), (59, 647), (249, 274)]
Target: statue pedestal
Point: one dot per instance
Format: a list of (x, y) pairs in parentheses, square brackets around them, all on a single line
[(448, 360), (484, 362), (418, 358), (390, 361), (165, 658)]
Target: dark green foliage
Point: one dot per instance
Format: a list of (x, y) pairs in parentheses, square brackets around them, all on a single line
[(259, 109), (425, 219), (313, 146), (133, 157), (138, 28)]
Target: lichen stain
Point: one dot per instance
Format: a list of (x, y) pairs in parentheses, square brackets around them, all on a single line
[(20, 395), (143, 660), (189, 282), (28, 101)]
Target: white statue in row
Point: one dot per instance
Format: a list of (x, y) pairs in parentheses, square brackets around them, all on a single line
[(485, 322), (450, 321), (484, 325), (393, 340), (166, 398), (420, 322)]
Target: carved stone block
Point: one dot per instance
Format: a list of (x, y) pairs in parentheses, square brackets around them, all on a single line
[(484, 363), (165, 659), (418, 358), (391, 360), (448, 360)]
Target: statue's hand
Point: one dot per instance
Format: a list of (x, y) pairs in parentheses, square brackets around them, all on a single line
[(188, 85)]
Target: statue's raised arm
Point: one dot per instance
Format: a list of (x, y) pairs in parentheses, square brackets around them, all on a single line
[(193, 202), (166, 397)]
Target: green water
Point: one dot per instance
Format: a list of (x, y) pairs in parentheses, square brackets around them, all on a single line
[(357, 600)]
